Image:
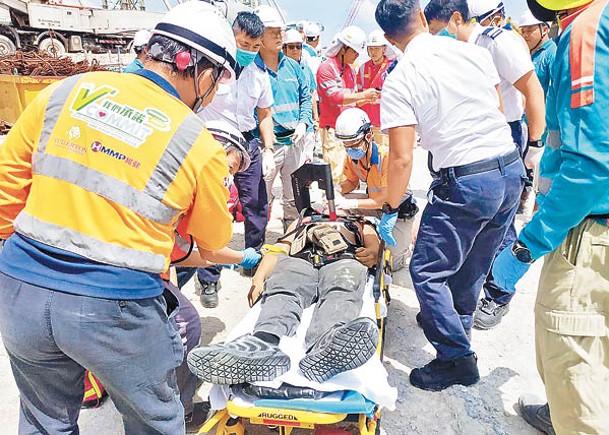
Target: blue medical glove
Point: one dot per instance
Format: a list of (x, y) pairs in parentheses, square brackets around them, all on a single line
[(251, 258), (507, 270), (386, 226)]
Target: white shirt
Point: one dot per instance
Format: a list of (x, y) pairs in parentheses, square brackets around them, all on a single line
[(447, 89), (237, 102), (512, 60)]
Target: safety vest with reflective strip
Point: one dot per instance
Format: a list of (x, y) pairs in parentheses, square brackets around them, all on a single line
[(373, 172), (371, 76), (117, 162)]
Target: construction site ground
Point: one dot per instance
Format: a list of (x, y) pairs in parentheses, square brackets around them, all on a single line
[(506, 357)]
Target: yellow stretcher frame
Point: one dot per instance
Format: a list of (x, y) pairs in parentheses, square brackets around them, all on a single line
[(230, 421)]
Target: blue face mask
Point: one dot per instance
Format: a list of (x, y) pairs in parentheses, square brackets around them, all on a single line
[(244, 57), (356, 153), (445, 32)]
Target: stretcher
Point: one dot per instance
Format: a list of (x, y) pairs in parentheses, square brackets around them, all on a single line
[(351, 404)]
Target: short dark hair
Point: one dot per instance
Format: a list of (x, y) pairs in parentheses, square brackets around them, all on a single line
[(164, 49), (442, 10), (395, 17), (249, 23)]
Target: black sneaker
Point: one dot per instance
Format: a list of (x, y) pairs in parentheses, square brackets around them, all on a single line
[(468, 331), (536, 414), (209, 293), (246, 359), (489, 313), (438, 375), (345, 348), (195, 419)]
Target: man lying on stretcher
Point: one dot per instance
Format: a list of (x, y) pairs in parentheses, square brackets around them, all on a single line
[(315, 262)]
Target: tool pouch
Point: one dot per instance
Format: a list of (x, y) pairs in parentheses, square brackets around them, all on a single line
[(327, 238)]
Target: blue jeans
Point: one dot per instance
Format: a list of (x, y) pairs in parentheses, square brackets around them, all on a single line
[(461, 229), (132, 346), (491, 290)]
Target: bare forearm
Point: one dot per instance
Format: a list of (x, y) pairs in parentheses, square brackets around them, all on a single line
[(266, 128), (401, 140), (535, 106), (222, 256)]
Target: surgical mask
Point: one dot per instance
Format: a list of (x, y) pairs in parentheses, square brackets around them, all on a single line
[(356, 153), (244, 57), (230, 181), (445, 32)]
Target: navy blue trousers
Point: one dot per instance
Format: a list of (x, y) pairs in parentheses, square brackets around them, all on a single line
[(461, 228), (491, 290)]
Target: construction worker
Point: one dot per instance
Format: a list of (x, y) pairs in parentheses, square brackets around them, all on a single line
[(292, 112), (536, 34), (293, 48), (371, 76), (337, 89), (571, 312), (246, 105), (140, 46), (447, 90), (518, 80), (95, 174), (312, 32), (366, 162)]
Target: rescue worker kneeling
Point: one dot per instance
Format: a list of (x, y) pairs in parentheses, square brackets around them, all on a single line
[(367, 162), (315, 262)]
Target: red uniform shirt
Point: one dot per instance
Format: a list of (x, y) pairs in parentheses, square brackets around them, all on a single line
[(332, 85), (373, 76)]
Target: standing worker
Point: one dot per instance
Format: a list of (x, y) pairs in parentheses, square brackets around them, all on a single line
[(293, 48), (448, 91), (572, 308), (337, 88), (371, 76), (518, 80), (95, 174), (245, 105), (140, 46), (292, 112), (366, 162), (536, 34)]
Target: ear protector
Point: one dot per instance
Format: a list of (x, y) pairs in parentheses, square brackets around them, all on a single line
[(182, 60)]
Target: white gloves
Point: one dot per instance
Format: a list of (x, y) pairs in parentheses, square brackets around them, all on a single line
[(345, 203), (268, 162), (533, 157), (299, 133)]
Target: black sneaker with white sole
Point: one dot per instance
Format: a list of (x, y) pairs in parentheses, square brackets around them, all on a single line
[(245, 359), (489, 313), (346, 347), (438, 374)]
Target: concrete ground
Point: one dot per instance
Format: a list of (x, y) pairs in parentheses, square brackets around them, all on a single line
[(506, 359)]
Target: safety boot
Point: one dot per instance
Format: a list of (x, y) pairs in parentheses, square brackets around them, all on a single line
[(438, 374), (209, 293), (536, 414), (489, 313)]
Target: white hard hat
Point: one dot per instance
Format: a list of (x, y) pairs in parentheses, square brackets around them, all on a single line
[(215, 40), (528, 19), (376, 38), (292, 36), (353, 37), (352, 125), (313, 30), (141, 38), (269, 16), (231, 139), (482, 9)]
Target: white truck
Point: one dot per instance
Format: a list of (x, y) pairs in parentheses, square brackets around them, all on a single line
[(60, 28)]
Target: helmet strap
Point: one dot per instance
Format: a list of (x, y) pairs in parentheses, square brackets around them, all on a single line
[(199, 100)]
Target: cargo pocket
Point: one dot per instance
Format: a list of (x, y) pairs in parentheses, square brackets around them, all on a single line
[(575, 358)]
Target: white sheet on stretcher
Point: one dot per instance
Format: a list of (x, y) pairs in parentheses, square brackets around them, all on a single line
[(370, 380)]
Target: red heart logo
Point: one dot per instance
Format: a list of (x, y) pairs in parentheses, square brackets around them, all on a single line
[(101, 114)]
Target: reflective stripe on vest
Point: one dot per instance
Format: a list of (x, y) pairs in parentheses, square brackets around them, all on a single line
[(544, 184), (553, 140), (147, 203), (87, 246)]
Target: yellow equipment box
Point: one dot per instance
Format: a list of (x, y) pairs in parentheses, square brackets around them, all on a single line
[(16, 92)]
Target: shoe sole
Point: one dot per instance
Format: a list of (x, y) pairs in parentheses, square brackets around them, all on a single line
[(471, 380), (220, 367), (351, 347), (209, 303)]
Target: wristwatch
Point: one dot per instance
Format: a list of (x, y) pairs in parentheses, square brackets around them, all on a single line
[(535, 143), (387, 209), (522, 253)]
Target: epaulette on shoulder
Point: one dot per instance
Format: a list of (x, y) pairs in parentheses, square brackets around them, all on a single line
[(493, 32)]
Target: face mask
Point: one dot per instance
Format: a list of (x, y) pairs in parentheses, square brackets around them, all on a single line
[(356, 153), (244, 57), (445, 32)]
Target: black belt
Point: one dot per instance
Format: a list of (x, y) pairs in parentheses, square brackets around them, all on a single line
[(248, 135), (284, 134), (482, 166)]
